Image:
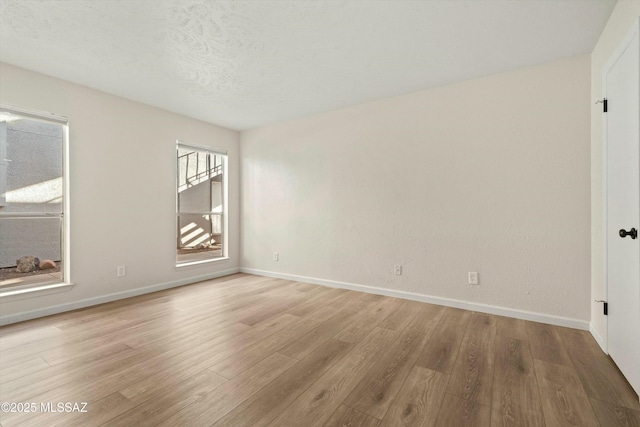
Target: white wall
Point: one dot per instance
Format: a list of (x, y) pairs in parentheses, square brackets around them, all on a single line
[(122, 160), (489, 175), (623, 16)]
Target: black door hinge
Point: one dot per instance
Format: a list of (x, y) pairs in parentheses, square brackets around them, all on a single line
[(603, 101), (606, 308)]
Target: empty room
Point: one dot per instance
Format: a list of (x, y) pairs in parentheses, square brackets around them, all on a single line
[(319, 213)]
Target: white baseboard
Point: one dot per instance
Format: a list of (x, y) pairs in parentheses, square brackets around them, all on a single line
[(596, 335), (483, 308), (47, 311)]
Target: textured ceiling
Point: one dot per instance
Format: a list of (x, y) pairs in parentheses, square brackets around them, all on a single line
[(245, 64)]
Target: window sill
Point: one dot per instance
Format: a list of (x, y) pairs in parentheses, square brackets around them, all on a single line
[(34, 291), (199, 262)]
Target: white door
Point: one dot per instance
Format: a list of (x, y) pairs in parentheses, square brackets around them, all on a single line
[(621, 82)]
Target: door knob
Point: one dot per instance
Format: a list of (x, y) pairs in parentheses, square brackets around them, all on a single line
[(633, 233)]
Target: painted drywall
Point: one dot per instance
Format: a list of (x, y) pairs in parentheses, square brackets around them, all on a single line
[(623, 16), (488, 175), (122, 183)]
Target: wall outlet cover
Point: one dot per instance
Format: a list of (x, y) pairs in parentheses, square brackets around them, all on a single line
[(473, 277)]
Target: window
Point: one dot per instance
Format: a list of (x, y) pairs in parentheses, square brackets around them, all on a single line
[(32, 199), (201, 206)]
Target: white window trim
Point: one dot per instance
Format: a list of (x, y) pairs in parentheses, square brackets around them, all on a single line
[(14, 294), (20, 292), (225, 207), (3, 163)]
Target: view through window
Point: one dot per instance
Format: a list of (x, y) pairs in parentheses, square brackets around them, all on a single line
[(31, 199), (200, 210)]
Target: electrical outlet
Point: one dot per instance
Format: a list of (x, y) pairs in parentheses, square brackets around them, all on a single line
[(473, 277), (397, 269), (276, 256), (121, 271)]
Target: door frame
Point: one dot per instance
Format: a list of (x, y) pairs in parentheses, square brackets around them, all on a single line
[(635, 29)]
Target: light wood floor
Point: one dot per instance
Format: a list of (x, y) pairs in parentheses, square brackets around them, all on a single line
[(252, 351)]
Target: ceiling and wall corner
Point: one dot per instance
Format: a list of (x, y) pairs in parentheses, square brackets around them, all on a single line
[(246, 64)]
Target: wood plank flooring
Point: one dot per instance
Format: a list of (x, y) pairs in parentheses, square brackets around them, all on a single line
[(246, 350)]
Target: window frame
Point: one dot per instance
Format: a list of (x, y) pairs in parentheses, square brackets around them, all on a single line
[(38, 289), (225, 203), (3, 163)]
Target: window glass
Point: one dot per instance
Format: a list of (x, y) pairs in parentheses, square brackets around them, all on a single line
[(200, 209), (31, 200)]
